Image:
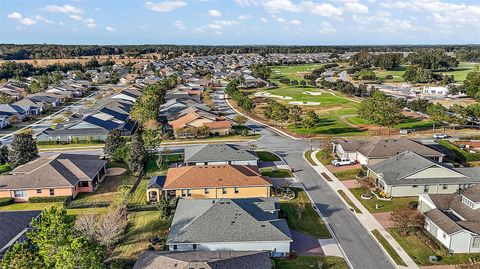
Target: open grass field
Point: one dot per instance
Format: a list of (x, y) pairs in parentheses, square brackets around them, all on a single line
[(313, 262), (460, 73), (293, 71), (407, 123), (310, 222)]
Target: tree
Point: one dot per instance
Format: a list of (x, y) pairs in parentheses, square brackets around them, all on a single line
[(419, 105), (406, 217), (22, 149), (239, 119), (261, 71), (4, 155), (58, 120), (474, 111), (310, 120), (295, 114), (437, 114), (137, 157), (458, 116), (381, 110), (472, 85), (164, 207), (113, 142), (21, 256)]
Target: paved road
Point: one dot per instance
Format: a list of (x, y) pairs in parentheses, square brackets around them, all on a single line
[(361, 249)]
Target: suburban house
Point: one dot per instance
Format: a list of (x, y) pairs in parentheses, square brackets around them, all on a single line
[(196, 120), (409, 174), (210, 181), (14, 113), (454, 219), (14, 225), (34, 107), (212, 154), (204, 259), (229, 225), (4, 121), (369, 152), (53, 175)]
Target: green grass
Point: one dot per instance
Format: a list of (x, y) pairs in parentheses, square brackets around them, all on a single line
[(139, 197), (397, 74), (308, 156), (5, 168), (295, 72), (349, 202), (82, 211), (407, 123), (384, 206), (310, 223), (347, 174), (324, 157), (266, 156), (461, 154), (30, 206), (154, 170), (276, 173), (461, 72), (297, 94), (390, 250), (419, 251), (303, 262), (141, 227)]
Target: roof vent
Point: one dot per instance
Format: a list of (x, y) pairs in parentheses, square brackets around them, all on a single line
[(263, 225)]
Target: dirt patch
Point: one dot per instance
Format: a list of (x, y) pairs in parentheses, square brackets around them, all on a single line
[(115, 171)]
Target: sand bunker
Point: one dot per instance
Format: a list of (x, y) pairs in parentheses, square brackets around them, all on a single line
[(304, 103), (312, 93), (266, 94)]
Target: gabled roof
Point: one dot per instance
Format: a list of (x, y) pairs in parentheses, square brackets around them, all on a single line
[(204, 260), (385, 148), (226, 220), (210, 176), (217, 153), (13, 223), (184, 120), (401, 169), (221, 124)]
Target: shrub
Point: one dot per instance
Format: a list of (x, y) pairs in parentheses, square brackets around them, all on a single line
[(49, 199), (6, 201)]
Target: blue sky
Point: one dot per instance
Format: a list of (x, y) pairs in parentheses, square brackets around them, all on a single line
[(240, 22)]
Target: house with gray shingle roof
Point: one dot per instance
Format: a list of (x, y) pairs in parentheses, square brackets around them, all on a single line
[(409, 174), (204, 260), (368, 152), (219, 154), (454, 219), (251, 224), (14, 224)]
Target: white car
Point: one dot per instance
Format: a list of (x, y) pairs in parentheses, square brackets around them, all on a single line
[(440, 136), (342, 162)]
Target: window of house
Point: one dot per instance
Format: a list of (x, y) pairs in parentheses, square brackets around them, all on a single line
[(19, 194), (476, 242), (174, 247), (83, 184), (224, 190), (207, 191), (194, 246), (425, 189), (184, 193), (52, 192), (39, 191), (236, 190), (189, 192), (444, 186)]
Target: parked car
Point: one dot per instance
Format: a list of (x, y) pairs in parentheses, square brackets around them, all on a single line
[(342, 162), (440, 136)]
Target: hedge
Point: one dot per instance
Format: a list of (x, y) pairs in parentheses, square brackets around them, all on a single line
[(49, 199), (5, 168), (6, 201), (462, 155)]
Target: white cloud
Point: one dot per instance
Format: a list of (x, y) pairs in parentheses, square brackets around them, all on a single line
[(165, 6), (214, 13), (295, 22), (277, 6), (110, 28), (274, 6), (66, 9), (322, 9), (264, 20), (41, 18), (353, 7), (215, 26), (219, 24), (28, 21), (244, 17), (326, 28), (179, 24), (14, 15)]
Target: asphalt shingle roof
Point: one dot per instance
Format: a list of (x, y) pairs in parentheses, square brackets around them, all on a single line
[(218, 153), (14, 222)]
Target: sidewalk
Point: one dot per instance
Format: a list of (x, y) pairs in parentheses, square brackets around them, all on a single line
[(366, 218)]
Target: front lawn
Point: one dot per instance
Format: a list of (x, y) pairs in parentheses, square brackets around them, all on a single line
[(266, 156), (328, 262), (419, 250), (390, 250), (31, 206), (278, 173), (383, 206), (347, 174), (310, 222), (141, 227), (324, 157)]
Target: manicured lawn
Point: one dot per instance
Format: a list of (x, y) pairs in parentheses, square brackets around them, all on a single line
[(266, 156), (141, 227), (397, 74), (384, 206), (154, 170), (82, 211), (277, 173), (303, 262), (295, 72), (461, 72), (139, 197), (349, 202), (308, 156), (31, 206), (390, 250), (324, 157), (407, 123), (419, 251), (310, 223), (348, 174), (297, 94)]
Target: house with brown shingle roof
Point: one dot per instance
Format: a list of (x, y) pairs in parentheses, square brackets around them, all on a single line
[(210, 181), (184, 126), (369, 152), (454, 219), (54, 175)]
